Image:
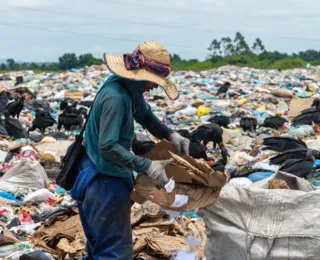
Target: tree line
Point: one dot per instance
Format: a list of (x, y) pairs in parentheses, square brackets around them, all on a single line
[(65, 62), (238, 52), (221, 52)]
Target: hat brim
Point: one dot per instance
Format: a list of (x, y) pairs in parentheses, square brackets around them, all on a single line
[(116, 65)]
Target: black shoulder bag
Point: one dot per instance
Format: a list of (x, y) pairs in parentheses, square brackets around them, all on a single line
[(70, 162)]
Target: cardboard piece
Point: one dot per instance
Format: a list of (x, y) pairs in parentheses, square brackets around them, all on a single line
[(195, 180), (199, 196), (6, 236), (297, 105), (74, 94), (166, 246)]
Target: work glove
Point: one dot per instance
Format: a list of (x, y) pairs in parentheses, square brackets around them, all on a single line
[(158, 174), (180, 143)]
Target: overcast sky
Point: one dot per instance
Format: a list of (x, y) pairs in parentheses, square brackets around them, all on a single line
[(43, 30)]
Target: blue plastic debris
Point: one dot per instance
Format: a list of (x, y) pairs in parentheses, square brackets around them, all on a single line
[(259, 176)]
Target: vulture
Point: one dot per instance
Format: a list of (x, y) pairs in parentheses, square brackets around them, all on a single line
[(15, 108), (208, 133), (196, 149), (222, 121), (223, 89), (14, 127), (249, 124), (275, 122), (295, 157), (309, 116), (42, 121), (142, 144)]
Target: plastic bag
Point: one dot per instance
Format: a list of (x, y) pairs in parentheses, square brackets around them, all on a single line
[(39, 195), (301, 131), (240, 182), (202, 110), (258, 176)]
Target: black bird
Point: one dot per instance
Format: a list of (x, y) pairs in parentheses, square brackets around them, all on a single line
[(223, 88), (63, 105), (69, 121), (3, 130), (14, 127), (300, 167), (86, 103), (40, 104), (74, 109), (16, 107), (208, 133), (219, 165), (289, 155), (223, 121), (42, 121), (142, 144), (3, 101), (295, 157), (275, 122), (282, 144), (19, 80), (58, 135), (196, 149), (307, 118), (249, 124), (83, 111)]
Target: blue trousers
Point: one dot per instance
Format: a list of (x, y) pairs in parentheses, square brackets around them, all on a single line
[(104, 208)]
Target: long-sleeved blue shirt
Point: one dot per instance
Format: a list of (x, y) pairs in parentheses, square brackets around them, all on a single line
[(110, 127)]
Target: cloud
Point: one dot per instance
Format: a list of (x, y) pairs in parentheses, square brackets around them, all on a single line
[(96, 48), (30, 3)]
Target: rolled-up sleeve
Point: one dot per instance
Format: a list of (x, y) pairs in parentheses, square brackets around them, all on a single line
[(148, 120), (112, 116)]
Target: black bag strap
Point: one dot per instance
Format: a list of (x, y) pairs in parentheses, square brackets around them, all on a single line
[(83, 129), (85, 124)]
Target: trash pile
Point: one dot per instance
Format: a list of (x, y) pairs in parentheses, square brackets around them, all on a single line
[(244, 125)]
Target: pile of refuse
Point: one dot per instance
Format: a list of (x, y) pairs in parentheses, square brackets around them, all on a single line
[(267, 120)]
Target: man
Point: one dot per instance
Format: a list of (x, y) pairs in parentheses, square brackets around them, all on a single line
[(104, 184)]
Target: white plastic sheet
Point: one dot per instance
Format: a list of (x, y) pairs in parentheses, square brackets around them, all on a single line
[(258, 223), (27, 175)]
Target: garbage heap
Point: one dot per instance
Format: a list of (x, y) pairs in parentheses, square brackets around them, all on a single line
[(38, 216)]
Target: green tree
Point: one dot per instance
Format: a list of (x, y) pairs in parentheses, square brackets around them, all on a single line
[(84, 59), (258, 47), (95, 62), (227, 47), (68, 61), (175, 58), (43, 66), (11, 64), (34, 66), (3, 66), (214, 49), (240, 44)]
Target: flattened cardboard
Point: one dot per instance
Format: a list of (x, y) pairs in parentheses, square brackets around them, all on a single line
[(166, 246), (199, 196), (193, 179), (297, 105)]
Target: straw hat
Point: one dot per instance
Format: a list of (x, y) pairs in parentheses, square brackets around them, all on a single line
[(149, 62)]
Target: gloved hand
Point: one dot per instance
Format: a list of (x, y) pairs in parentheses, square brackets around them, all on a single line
[(157, 172), (180, 143)]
